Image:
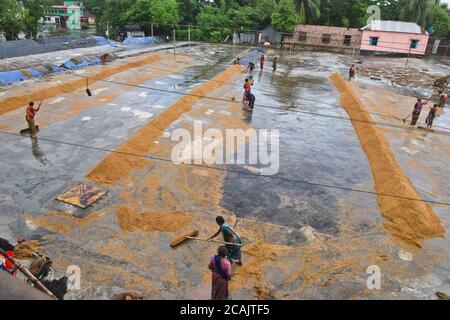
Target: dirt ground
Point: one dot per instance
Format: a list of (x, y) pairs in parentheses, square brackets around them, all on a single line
[(301, 241)]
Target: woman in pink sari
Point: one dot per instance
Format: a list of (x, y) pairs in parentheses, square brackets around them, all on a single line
[(221, 274)]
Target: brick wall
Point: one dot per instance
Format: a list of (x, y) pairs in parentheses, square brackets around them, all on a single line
[(325, 38)]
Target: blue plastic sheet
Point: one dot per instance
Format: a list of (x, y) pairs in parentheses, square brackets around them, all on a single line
[(8, 77), (141, 41), (35, 73), (69, 64), (101, 41)]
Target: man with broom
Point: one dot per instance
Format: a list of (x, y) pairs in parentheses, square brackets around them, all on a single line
[(31, 113), (417, 110)]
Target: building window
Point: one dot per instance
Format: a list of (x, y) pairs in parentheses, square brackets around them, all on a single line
[(373, 41), (414, 44), (347, 40), (326, 37), (302, 36)]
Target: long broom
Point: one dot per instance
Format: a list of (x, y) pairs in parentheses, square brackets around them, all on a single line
[(192, 235), (404, 120)]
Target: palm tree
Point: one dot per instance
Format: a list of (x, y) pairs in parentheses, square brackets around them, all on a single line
[(308, 9), (420, 11)]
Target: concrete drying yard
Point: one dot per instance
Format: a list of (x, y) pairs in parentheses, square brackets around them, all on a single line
[(303, 238)]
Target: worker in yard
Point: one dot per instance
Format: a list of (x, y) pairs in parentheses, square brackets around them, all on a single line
[(352, 72), (443, 98), (248, 96), (103, 58), (431, 116), (237, 61), (261, 61), (417, 110), (31, 113), (230, 236), (275, 64), (221, 274), (250, 68), (247, 86)]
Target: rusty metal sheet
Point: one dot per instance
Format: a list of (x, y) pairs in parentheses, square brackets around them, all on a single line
[(81, 196)]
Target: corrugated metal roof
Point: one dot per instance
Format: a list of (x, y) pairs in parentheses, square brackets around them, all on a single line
[(394, 26)]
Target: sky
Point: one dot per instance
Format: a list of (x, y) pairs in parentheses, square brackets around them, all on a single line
[(446, 1)]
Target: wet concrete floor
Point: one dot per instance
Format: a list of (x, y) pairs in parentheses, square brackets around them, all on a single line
[(313, 148)]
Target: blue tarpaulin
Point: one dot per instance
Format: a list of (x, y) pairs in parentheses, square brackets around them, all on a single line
[(141, 41), (70, 64), (35, 73), (9, 77), (101, 41)]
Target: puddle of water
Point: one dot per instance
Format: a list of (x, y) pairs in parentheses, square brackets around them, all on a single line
[(100, 90), (142, 114), (57, 100), (312, 148)]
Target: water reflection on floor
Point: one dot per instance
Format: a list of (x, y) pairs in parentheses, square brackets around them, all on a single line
[(313, 148)]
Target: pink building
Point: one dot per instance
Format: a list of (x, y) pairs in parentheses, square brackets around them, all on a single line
[(394, 37)]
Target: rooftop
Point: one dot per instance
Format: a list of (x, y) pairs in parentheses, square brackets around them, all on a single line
[(394, 26)]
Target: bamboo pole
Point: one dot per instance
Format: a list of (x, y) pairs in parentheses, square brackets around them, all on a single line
[(174, 44), (213, 240), (189, 35)]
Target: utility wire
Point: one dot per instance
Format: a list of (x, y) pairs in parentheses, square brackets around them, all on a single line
[(216, 168), (291, 96), (259, 105), (239, 172), (250, 30), (268, 93)]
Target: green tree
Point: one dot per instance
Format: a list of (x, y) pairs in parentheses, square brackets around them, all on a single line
[(189, 10), (285, 16), (140, 12), (343, 13), (441, 21), (165, 11), (212, 18), (109, 13), (157, 11), (265, 9), (419, 11), (246, 17), (11, 18), (308, 10)]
